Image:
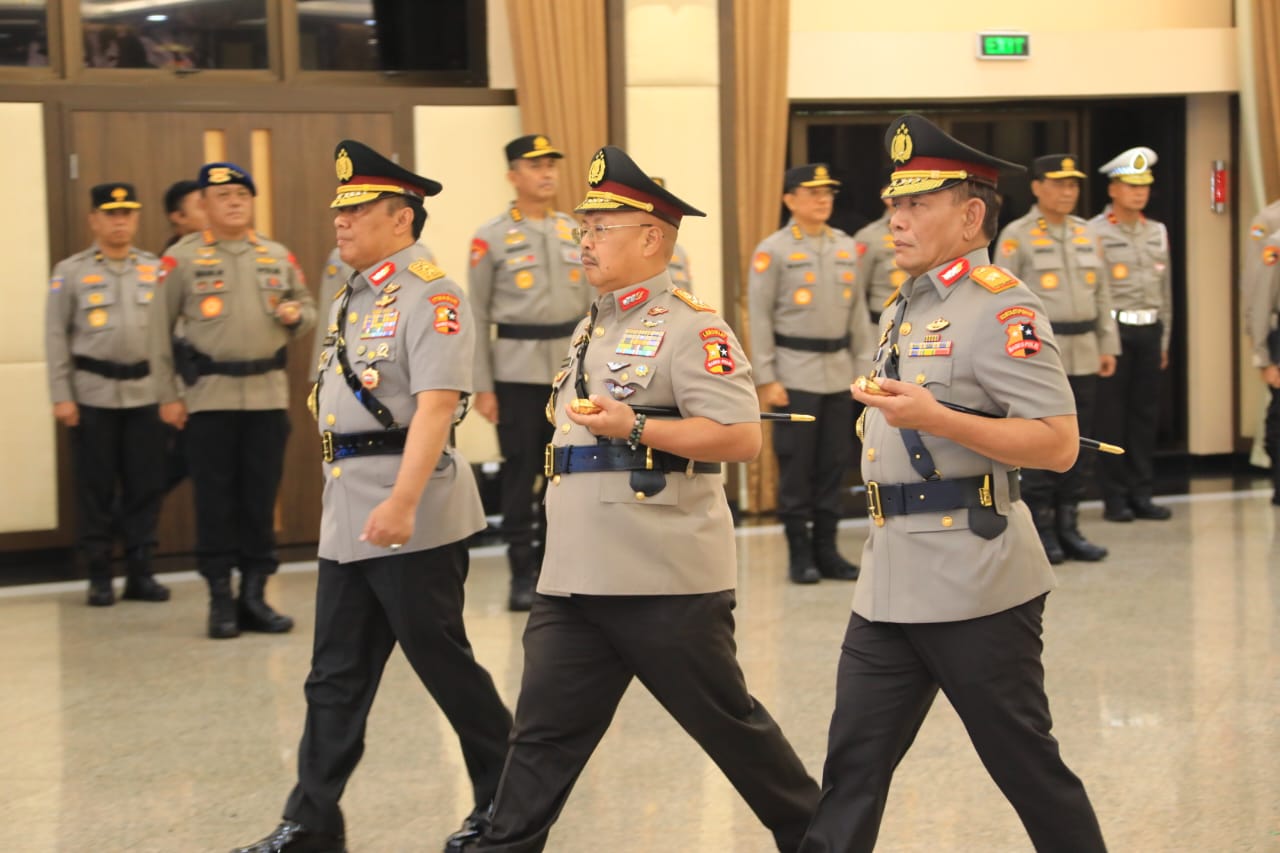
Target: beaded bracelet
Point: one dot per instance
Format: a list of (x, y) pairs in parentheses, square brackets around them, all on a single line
[(633, 440)]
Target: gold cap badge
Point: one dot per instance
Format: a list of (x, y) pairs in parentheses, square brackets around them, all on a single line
[(119, 193), (596, 173), (540, 142), (821, 174), (900, 150), (1068, 165), (343, 166)]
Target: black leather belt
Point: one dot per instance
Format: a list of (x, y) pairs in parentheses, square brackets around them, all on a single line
[(887, 500), (537, 331), (343, 445), (812, 344), (1079, 327), (206, 366), (584, 459), (112, 369)]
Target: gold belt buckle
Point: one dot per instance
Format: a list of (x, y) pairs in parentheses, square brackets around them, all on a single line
[(984, 491), (648, 458), (874, 509), (326, 445), (548, 456)]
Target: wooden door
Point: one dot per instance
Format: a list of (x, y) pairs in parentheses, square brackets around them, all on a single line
[(291, 158)]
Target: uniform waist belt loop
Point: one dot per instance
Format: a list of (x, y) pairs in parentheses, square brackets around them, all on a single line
[(538, 331), (1080, 327), (811, 344), (112, 369), (1146, 317), (584, 459)]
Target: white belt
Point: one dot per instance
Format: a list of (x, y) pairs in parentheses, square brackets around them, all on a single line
[(1137, 318)]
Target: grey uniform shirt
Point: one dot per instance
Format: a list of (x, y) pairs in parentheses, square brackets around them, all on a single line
[(225, 294), (1257, 274), (877, 268), (98, 308), (412, 331), (990, 351), (680, 270), (807, 287), (1137, 258), (1263, 305), (1062, 264), (526, 272), (655, 345)]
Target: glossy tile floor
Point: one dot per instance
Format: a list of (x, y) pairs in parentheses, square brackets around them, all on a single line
[(123, 729)]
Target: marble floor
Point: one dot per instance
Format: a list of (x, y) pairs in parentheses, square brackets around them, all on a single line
[(124, 729)]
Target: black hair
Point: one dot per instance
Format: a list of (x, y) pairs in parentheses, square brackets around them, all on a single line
[(175, 194)]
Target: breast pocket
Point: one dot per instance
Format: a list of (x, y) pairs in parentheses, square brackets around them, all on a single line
[(631, 380), (272, 287), (798, 282), (98, 310), (522, 270), (929, 371), (208, 301)]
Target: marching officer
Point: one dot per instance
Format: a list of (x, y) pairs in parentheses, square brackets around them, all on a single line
[(876, 268), (1262, 322), (526, 279), (639, 576), (954, 579), (96, 348), (1056, 254), (810, 336), (1136, 251), (680, 268), (399, 502), (240, 299)]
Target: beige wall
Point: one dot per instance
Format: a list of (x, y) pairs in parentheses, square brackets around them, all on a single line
[(673, 118), (29, 485), (461, 147), (502, 64), (941, 15)]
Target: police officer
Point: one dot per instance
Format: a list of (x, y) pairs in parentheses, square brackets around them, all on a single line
[(240, 299), (399, 502), (953, 576), (877, 268), (1262, 322), (1056, 254), (639, 575), (184, 210), (1136, 251), (96, 348), (526, 279), (1254, 272), (810, 336), (680, 268)]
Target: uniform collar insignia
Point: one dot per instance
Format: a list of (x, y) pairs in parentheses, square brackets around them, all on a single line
[(632, 298), (954, 271)]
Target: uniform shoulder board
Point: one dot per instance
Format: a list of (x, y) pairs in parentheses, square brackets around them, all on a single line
[(426, 270), (689, 299), (993, 279)]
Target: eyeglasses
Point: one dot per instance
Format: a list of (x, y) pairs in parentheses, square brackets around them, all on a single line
[(597, 233)]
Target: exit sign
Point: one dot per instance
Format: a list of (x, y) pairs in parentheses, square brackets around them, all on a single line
[(1004, 45)]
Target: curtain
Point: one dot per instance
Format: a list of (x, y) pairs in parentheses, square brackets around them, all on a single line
[(562, 82), (1266, 52), (760, 112)]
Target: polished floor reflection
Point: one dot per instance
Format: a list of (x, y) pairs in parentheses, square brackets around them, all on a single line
[(123, 729)]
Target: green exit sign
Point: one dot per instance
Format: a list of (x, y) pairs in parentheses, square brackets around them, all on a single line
[(1004, 45)]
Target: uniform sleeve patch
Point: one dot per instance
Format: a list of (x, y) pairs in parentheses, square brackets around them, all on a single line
[(55, 283), (1008, 247), (293, 261), (479, 249), (1270, 255), (860, 248), (167, 264), (1257, 232), (761, 261), (715, 344), (446, 320), (1017, 312), (689, 299), (426, 270), (993, 279), (1021, 340)]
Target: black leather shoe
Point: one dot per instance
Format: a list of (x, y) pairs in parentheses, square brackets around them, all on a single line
[(222, 611), (252, 611), (520, 599), (144, 588), (292, 837), (472, 828), (100, 593), (1144, 508), (1117, 510)]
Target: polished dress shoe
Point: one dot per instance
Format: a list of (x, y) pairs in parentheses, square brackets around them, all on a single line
[(1144, 508), (223, 624), (472, 828), (1117, 510), (292, 837), (100, 592), (144, 588)]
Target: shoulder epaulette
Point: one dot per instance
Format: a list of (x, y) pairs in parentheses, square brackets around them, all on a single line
[(993, 279), (689, 299), (426, 270)]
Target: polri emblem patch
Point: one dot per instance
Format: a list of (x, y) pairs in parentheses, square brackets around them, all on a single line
[(446, 314)]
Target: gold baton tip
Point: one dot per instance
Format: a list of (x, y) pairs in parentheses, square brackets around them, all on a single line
[(803, 419), (1103, 447)]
